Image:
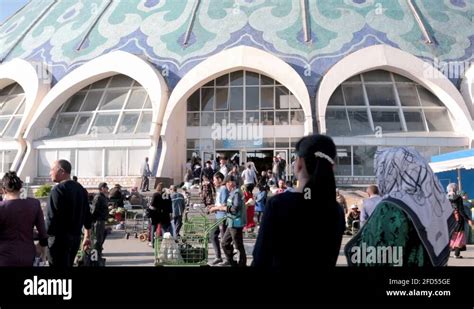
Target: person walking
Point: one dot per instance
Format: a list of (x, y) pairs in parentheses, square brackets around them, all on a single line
[(100, 215), (368, 205), (249, 177), (178, 205), (145, 171), (18, 218), (221, 199), (68, 212), (260, 202), (207, 191), (236, 221), (159, 212)]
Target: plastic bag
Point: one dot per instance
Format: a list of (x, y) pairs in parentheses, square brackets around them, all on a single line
[(170, 252)]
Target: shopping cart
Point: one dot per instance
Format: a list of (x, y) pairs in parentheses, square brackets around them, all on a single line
[(189, 250), (136, 222)]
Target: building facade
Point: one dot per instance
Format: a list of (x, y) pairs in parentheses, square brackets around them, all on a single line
[(105, 84)]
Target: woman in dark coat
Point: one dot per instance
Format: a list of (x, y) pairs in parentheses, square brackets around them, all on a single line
[(18, 217)]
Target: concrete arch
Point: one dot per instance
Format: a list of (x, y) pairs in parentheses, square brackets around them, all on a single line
[(233, 59), (467, 89), (395, 60), (35, 81), (117, 62)]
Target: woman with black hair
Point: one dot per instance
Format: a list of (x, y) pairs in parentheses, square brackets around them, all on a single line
[(18, 217), (294, 222)]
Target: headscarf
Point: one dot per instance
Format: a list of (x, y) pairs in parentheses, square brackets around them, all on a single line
[(403, 174)]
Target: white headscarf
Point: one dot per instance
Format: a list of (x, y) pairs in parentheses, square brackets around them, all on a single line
[(403, 174)]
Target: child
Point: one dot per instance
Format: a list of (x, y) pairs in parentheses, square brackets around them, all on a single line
[(260, 202)]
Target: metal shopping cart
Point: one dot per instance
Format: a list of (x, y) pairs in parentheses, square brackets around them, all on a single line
[(136, 222), (189, 250)]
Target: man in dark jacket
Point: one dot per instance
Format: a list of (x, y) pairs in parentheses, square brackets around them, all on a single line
[(207, 171), (116, 196), (67, 213), (100, 215)]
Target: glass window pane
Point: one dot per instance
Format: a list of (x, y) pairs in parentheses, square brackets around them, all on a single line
[(355, 78), (294, 104), (364, 160), (268, 143), (120, 81), (220, 116), (336, 98), (237, 78), (265, 80), (10, 105), (82, 125), (148, 103), (63, 125), (223, 80), (268, 118), (134, 166), (207, 119), (282, 142), (137, 98), (3, 123), (45, 159), (145, 123), (222, 99), (129, 122), (414, 121), (236, 98), (251, 78), (267, 97), (408, 95), (402, 79), (438, 120), (251, 98), (297, 117), (343, 161), (74, 104), (193, 102), (17, 90), (282, 99), (377, 76), (337, 123), (381, 95), (359, 121), (388, 120), (8, 160), (21, 110), (207, 99), (252, 117), (114, 99), (427, 98), (101, 84), (428, 151), (236, 117), (104, 124), (92, 100), (116, 162), (281, 118), (89, 162), (12, 127), (354, 95), (192, 143), (193, 120)]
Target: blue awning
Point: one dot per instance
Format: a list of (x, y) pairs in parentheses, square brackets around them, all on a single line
[(463, 159)]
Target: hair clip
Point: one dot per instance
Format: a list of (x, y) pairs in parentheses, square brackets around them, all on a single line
[(324, 156)]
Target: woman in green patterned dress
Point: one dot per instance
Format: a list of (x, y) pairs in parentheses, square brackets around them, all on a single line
[(414, 218)]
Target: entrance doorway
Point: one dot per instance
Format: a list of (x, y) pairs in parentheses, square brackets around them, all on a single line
[(233, 156), (261, 158)]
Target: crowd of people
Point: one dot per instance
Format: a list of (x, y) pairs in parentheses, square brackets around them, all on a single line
[(424, 221)]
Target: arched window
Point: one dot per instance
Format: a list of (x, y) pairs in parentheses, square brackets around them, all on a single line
[(12, 106), (384, 102), (244, 97), (116, 105)]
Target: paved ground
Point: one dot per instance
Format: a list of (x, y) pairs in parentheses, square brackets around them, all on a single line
[(120, 251)]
